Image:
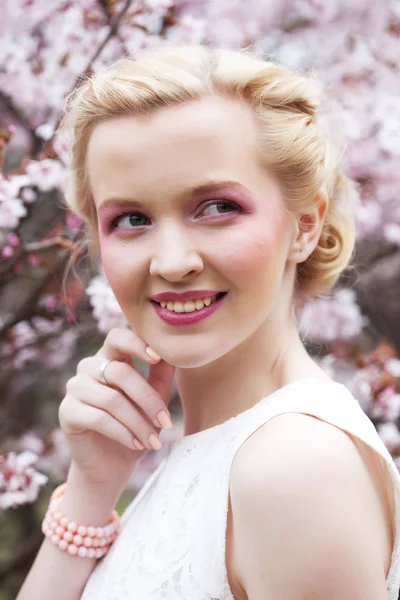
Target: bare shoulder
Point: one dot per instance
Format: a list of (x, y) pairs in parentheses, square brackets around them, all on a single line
[(287, 431), (297, 443), (293, 448), (302, 495)]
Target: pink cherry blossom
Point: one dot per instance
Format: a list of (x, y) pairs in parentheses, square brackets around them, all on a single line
[(390, 436), (73, 222), (13, 239), (105, 306), (389, 401), (34, 259), (393, 366), (391, 232), (50, 301), (11, 211), (7, 251), (59, 350), (32, 441), (47, 174), (12, 208), (335, 318), (19, 481)]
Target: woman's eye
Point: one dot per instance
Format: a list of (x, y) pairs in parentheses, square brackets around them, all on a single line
[(220, 207), (134, 220), (129, 220)]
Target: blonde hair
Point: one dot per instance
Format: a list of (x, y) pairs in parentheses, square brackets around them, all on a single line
[(292, 144)]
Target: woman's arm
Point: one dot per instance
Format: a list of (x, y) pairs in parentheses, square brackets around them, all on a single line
[(306, 515), (55, 574)]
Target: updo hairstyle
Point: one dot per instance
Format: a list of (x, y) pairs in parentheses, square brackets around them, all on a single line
[(292, 143)]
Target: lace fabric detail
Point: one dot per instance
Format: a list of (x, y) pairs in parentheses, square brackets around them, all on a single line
[(173, 534), (162, 551)]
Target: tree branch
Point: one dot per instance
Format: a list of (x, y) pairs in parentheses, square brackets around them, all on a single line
[(21, 119), (114, 25)]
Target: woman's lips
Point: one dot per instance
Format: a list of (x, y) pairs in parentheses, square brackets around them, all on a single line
[(183, 297), (173, 318)]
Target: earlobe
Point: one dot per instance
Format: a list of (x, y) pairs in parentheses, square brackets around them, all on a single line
[(298, 253)]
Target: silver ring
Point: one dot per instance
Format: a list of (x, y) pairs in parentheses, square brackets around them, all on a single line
[(103, 368)]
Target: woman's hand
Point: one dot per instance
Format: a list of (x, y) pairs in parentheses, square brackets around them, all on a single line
[(102, 421)]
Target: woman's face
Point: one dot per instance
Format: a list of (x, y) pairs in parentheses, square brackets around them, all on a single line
[(183, 204)]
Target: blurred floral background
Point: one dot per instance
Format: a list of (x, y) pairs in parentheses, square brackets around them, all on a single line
[(47, 324)]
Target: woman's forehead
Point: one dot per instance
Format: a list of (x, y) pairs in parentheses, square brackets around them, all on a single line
[(214, 144), (172, 127)]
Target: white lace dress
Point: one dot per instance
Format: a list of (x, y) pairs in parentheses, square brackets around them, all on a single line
[(172, 540)]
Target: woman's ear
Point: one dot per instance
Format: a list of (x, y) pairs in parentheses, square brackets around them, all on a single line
[(308, 230)]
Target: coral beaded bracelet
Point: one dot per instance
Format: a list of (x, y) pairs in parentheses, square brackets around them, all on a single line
[(83, 540)]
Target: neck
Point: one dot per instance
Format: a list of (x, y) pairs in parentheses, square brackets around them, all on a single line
[(272, 357)]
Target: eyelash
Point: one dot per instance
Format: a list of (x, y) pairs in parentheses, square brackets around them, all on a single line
[(113, 224)]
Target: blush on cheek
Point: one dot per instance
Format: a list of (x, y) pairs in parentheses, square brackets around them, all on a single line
[(124, 269), (252, 258), (108, 260), (250, 252)]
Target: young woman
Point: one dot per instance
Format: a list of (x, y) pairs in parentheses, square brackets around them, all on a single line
[(216, 204)]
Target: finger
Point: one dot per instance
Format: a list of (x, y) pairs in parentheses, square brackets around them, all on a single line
[(160, 378), (86, 418), (121, 344), (117, 405), (134, 386)]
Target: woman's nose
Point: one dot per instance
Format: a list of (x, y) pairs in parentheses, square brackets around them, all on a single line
[(175, 256)]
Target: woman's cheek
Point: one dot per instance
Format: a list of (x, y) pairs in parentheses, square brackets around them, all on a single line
[(113, 264), (249, 254), (106, 255)]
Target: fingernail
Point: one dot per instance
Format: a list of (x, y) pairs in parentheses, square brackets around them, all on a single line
[(154, 442), (152, 354), (164, 420), (138, 444)]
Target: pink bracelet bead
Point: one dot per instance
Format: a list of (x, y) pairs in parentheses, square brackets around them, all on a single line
[(68, 536), (82, 530), (63, 545), (77, 540), (72, 549), (87, 541), (109, 529), (82, 540), (72, 526)]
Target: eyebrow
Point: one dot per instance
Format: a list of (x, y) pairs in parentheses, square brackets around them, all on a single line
[(197, 190)]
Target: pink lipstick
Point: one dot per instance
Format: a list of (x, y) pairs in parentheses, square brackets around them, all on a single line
[(174, 318), (182, 297)]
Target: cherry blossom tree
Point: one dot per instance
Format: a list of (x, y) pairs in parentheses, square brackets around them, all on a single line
[(47, 322)]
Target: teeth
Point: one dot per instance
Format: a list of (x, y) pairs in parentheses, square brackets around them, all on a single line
[(199, 304), (189, 305)]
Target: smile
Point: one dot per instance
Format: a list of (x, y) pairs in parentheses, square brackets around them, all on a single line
[(188, 312)]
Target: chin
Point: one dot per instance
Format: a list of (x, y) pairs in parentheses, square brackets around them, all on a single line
[(189, 360), (186, 362)]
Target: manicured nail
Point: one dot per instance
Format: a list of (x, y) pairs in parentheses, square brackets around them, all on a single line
[(152, 354), (138, 444), (154, 442), (164, 420)]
